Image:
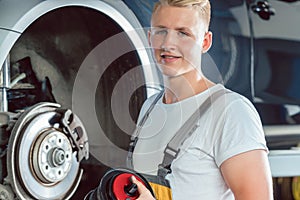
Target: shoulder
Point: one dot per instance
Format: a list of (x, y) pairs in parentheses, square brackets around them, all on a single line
[(240, 128), (238, 104), (225, 97), (235, 111), (232, 101)]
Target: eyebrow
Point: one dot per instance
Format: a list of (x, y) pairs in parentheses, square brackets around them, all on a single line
[(183, 29), (177, 29), (159, 26)]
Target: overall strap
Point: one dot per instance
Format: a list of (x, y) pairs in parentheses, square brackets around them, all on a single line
[(185, 131), (135, 135)]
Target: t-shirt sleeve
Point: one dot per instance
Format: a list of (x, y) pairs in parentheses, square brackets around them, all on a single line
[(241, 132)]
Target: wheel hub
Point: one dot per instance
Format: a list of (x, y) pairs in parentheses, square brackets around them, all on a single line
[(52, 156)]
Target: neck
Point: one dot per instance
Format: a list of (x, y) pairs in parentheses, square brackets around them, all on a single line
[(184, 86)]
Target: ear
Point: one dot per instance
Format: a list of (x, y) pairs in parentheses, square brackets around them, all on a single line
[(149, 41), (207, 42)]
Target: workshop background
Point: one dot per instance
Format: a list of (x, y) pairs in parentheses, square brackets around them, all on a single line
[(92, 57)]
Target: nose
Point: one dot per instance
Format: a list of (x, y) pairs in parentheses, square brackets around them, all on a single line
[(169, 42)]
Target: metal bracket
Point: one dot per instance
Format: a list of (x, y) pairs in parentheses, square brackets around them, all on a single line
[(74, 128)]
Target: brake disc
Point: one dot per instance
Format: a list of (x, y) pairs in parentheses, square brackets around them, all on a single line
[(44, 153)]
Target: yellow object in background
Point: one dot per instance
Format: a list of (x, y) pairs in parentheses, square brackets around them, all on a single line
[(296, 187)]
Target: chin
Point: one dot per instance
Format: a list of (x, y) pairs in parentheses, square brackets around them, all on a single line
[(168, 71)]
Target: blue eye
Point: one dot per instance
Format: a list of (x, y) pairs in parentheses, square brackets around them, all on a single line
[(161, 32)]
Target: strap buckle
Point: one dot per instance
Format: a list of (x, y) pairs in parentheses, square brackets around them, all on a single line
[(163, 171)]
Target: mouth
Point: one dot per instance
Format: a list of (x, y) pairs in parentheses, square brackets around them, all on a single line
[(168, 56), (164, 56)]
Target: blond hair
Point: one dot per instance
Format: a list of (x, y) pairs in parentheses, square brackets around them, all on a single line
[(202, 6)]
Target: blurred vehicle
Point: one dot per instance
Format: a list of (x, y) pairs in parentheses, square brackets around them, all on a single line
[(257, 50), (79, 71)]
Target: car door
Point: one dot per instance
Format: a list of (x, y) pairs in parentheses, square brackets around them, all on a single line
[(276, 37), (276, 68), (231, 48)]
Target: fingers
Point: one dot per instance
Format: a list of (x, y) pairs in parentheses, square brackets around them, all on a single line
[(144, 193), (141, 187)]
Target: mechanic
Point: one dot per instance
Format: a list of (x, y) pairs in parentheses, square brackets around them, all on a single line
[(226, 155)]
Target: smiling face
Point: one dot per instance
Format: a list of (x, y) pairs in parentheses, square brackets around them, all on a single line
[(178, 37)]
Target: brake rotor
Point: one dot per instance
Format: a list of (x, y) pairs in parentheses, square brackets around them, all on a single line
[(43, 154)]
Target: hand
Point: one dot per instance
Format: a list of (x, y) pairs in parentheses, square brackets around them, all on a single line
[(145, 194)]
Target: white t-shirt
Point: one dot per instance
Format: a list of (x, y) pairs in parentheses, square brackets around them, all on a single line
[(229, 127)]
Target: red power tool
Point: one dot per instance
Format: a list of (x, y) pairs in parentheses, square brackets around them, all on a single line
[(116, 185)]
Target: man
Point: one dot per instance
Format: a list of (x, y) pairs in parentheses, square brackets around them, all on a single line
[(226, 156)]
